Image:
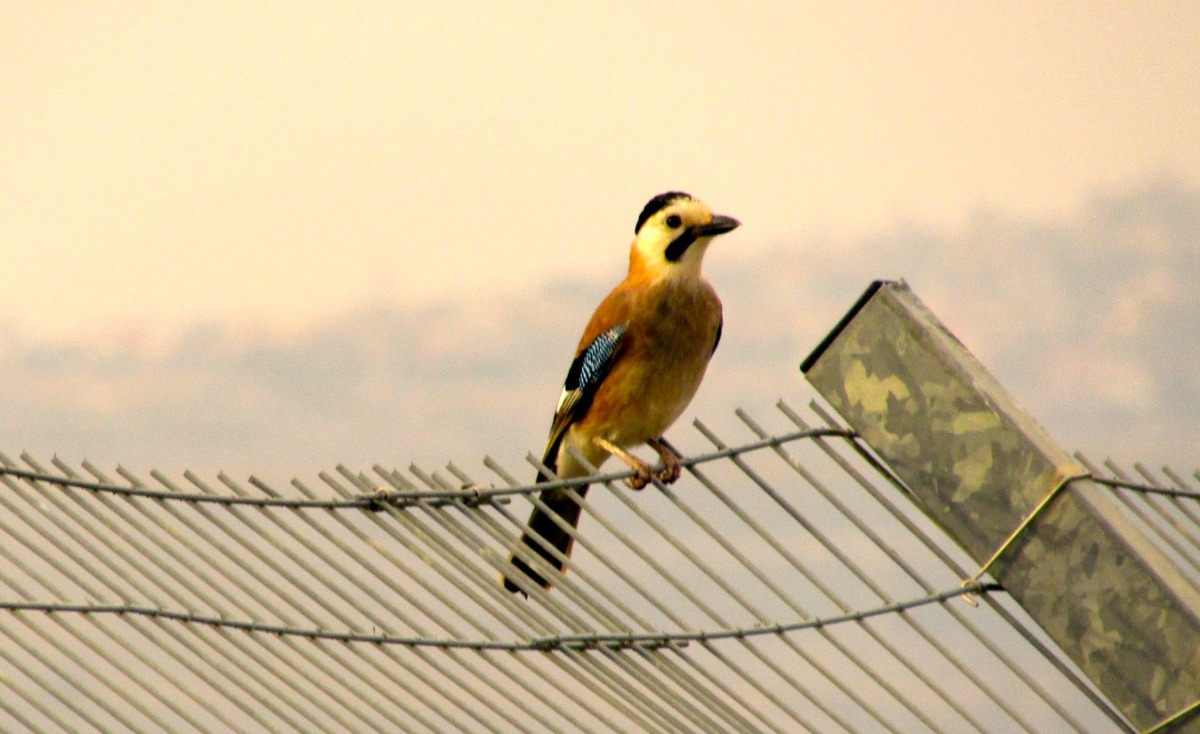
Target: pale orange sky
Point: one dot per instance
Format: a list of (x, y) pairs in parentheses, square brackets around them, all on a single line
[(280, 190), (275, 163)]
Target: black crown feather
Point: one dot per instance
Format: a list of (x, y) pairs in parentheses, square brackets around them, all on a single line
[(656, 205)]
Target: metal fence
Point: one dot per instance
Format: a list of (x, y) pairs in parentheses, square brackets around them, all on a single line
[(785, 584)]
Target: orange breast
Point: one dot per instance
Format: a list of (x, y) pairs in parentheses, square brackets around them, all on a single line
[(664, 354)]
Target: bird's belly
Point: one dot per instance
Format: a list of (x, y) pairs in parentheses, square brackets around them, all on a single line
[(645, 401), (663, 360)]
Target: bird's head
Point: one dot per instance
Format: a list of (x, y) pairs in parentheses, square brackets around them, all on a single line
[(672, 233)]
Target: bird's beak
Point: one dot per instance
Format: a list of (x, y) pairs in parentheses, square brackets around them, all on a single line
[(720, 224)]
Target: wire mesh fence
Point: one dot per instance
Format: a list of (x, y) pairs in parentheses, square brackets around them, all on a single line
[(785, 584)]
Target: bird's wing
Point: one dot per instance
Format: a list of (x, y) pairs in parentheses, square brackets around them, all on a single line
[(587, 372), (717, 340)]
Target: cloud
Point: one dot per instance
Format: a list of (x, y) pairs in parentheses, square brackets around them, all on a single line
[(1093, 323)]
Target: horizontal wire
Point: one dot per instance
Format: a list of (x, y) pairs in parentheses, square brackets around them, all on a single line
[(471, 495), (365, 501), (1146, 488), (474, 495), (658, 640), (647, 641)]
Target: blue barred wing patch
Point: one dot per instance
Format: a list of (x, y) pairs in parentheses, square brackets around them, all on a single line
[(590, 367), (596, 358)]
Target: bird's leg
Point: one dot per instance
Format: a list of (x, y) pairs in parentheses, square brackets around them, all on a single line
[(638, 480), (671, 467)]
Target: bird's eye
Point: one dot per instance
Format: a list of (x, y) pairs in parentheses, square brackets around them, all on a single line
[(674, 221)]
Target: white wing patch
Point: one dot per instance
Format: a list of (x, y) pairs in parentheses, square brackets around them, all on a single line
[(562, 399)]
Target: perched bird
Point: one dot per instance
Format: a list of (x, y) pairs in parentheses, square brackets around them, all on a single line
[(639, 363)]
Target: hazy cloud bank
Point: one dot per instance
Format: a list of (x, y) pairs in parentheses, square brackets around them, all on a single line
[(1093, 323)]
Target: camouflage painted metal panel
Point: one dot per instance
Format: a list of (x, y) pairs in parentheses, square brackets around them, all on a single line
[(978, 464)]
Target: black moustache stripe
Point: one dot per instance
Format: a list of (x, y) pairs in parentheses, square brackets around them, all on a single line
[(680, 244)]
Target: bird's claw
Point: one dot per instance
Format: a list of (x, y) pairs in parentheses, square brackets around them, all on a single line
[(670, 473), (642, 476), (642, 472), (671, 470)]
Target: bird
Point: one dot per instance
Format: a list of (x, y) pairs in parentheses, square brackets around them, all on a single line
[(638, 364)]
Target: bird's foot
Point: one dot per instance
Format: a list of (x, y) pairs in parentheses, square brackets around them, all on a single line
[(643, 472), (672, 469)]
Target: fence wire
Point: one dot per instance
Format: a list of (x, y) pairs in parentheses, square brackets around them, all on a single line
[(785, 584)]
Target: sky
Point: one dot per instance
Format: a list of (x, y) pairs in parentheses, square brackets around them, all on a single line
[(269, 238)]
